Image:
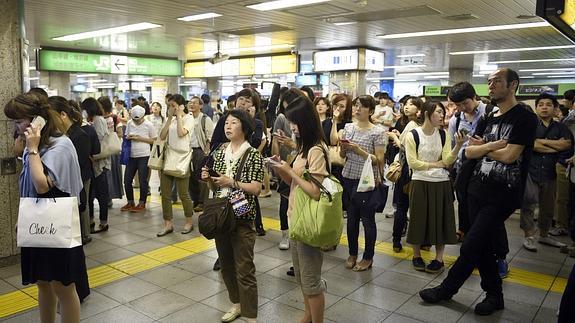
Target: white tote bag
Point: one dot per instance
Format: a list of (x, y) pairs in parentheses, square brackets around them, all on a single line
[(49, 223), (110, 145), (177, 162), (156, 160), (367, 179)]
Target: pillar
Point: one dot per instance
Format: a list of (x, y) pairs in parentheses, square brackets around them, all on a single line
[(172, 86), (10, 86), (460, 68), (61, 82)]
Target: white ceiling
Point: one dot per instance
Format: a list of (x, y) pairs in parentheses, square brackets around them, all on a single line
[(306, 28)]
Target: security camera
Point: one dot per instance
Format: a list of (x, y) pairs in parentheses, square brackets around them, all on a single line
[(218, 58)]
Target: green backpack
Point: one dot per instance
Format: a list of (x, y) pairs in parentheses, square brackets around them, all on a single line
[(318, 223)]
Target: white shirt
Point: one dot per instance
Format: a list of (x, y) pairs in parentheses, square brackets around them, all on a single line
[(181, 143), (386, 116), (145, 129)]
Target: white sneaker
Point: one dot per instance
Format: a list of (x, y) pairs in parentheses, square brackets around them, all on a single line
[(232, 314), (529, 243), (284, 244), (557, 232), (551, 242)]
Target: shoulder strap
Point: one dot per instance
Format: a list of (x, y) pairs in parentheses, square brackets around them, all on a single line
[(457, 120), (325, 154), (415, 138), (203, 123), (442, 135), (488, 108), (242, 164)]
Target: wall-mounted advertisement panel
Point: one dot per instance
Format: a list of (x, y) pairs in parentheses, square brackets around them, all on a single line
[(77, 62), (248, 66), (336, 60)]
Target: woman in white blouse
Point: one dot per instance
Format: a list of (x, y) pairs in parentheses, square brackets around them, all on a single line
[(429, 154)]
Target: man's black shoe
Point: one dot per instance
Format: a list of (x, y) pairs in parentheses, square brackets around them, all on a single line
[(489, 305), (434, 295)]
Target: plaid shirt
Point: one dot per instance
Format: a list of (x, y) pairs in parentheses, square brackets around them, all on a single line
[(367, 140)]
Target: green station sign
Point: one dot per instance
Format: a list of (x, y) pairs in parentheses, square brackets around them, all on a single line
[(64, 61), (524, 90)]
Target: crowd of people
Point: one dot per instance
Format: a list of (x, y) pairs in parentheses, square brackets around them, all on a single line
[(492, 157)]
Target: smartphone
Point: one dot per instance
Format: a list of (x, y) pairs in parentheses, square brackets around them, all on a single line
[(464, 132), (272, 161), (38, 122)]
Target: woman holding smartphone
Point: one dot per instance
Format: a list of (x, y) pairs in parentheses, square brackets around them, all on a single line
[(50, 170)]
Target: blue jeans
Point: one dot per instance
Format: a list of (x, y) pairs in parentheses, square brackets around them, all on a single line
[(140, 165), (357, 210)]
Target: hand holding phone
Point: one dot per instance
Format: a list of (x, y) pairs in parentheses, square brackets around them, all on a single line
[(213, 173)]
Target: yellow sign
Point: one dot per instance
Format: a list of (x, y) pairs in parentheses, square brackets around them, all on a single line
[(247, 66), (568, 15), (195, 69), (284, 64)]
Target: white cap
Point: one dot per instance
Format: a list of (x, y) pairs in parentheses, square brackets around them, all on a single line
[(137, 112)]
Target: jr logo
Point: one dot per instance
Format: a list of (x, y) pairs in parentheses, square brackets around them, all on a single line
[(103, 64)]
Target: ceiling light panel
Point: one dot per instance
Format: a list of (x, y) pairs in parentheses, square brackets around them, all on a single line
[(282, 4), (547, 69), (508, 50), (108, 31), (533, 61), (410, 55), (464, 30), (200, 16), (404, 66)]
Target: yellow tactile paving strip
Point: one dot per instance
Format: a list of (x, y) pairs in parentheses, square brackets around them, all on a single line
[(25, 299)]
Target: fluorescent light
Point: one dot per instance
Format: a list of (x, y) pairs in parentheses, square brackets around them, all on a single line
[(281, 4), (406, 80), (404, 66), (378, 78), (554, 73), (509, 50), (306, 62), (464, 30), (411, 55), (547, 69), (478, 75), (436, 77), (86, 75), (345, 23), (200, 16), (527, 77), (98, 81), (533, 61), (108, 31), (561, 76), (423, 73), (32, 68), (33, 78)]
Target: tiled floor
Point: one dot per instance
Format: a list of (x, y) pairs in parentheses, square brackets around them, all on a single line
[(189, 291)]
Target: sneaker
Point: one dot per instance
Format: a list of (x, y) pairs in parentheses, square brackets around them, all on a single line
[(139, 208), (489, 305), (529, 244), (418, 264), (502, 268), (127, 207), (566, 249), (199, 208), (284, 244), (232, 314), (434, 267), (434, 295), (557, 232), (551, 242)]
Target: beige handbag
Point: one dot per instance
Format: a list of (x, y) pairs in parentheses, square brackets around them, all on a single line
[(156, 160), (177, 162), (334, 156)]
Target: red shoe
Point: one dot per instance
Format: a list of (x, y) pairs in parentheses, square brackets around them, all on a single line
[(127, 207), (138, 208)]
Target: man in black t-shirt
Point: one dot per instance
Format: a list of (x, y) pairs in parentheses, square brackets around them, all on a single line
[(503, 150)]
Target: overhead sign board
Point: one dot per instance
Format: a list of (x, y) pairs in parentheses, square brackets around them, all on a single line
[(560, 14), (76, 62), (524, 90), (248, 66), (374, 60), (336, 60)]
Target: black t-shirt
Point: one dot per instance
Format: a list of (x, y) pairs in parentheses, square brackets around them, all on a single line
[(493, 179), (326, 125)]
